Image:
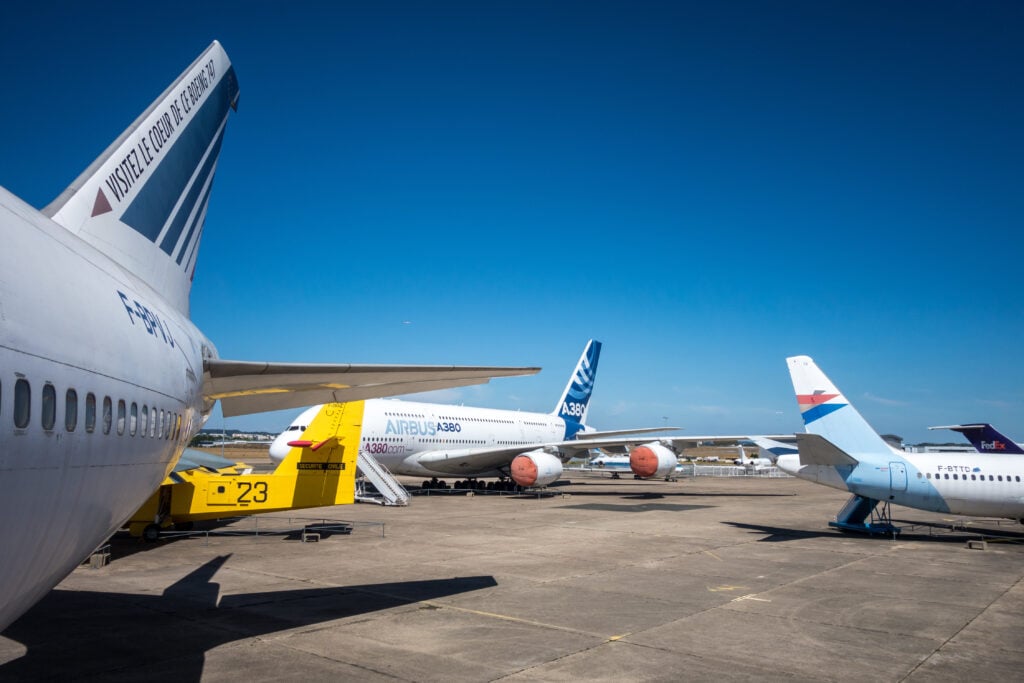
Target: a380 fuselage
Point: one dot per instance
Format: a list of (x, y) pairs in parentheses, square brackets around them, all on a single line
[(99, 392), (397, 432)]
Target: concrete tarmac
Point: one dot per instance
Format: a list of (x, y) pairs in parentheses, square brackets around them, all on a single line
[(701, 579)]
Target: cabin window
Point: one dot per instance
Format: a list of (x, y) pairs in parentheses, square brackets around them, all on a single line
[(177, 426), (972, 477), (144, 422), (22, 403), (108, 414), (162, 427), (49, 406), (90, 412), (1017, 478), (947, 476), (133, 419), (120, 416), (929, 475), (70, 410), (152, 423), (991, 478), (999, 478), (955, 477)]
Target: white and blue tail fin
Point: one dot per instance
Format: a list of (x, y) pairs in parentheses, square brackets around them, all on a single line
[(575, 400), (144, 200), (827, 413)]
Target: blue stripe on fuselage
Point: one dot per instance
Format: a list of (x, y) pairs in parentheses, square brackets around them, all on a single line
[(873, 480)]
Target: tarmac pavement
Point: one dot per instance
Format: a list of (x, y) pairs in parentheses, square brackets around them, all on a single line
[(701, 579)]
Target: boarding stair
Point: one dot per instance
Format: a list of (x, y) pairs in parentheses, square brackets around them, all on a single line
[(390, 492), (860, 508)]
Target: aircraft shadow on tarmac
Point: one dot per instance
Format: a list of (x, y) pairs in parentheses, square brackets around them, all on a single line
[(639, 507), (73, 635), (617, 493), (124, 545), (912, 531)]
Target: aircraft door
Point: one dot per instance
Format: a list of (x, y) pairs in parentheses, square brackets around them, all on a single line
[(897, 476)]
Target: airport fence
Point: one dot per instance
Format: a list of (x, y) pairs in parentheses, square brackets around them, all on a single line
[(692, 470)]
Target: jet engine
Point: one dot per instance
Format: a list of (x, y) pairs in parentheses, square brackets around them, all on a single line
[(535, 468), (652, 460)]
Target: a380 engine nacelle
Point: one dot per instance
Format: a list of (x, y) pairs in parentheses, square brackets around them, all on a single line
[(652, 460), (535, 468)]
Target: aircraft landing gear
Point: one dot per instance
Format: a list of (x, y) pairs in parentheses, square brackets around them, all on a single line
[(151, 533)]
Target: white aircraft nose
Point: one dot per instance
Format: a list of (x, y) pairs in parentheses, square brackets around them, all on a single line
[(789, 463), (279, 447)]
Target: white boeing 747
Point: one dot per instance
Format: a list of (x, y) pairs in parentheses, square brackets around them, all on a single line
[(103, 377), (841, 450), (434, 440)]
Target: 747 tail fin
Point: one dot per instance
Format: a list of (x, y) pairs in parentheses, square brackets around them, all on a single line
[(986, 439), (143, 201), (576, 397)]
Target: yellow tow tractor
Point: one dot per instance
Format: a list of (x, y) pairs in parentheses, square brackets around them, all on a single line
[(319, 470)]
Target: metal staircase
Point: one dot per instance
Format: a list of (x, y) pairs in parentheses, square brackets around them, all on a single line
[(859, 508), (390, 491)]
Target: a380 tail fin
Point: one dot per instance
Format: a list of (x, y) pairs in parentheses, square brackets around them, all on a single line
[(986, 439), (575, 400), (828, 413), (143, 201)]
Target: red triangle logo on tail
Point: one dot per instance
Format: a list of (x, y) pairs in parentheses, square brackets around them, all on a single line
[(101, 205)]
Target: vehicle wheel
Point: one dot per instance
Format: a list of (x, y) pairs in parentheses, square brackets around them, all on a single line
[(151, 533)]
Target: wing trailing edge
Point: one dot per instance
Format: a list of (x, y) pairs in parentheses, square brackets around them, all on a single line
[(245, 387)]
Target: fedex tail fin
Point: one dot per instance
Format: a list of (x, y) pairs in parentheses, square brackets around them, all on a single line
[(143, 201), (575, 400), (986, 439), (826, 411)]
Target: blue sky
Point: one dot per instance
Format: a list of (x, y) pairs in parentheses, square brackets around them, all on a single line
[(705, 187)]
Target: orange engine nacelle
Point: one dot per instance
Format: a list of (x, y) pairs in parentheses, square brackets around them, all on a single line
[(535, 468), (652, 460)]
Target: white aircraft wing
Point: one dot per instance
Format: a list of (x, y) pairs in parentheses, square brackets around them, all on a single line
[(468, 461), (472, 461), (625, 432), (678, 443), (247, 387)]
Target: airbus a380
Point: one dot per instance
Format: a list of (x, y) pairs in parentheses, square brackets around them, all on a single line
[(434, 440), (841, 450), (103, 377)]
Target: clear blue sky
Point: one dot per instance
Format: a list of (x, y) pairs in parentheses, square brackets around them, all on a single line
[(705, 187)]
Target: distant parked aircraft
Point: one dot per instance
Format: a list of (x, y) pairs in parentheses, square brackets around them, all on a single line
[(986, 439), (842, 451)]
